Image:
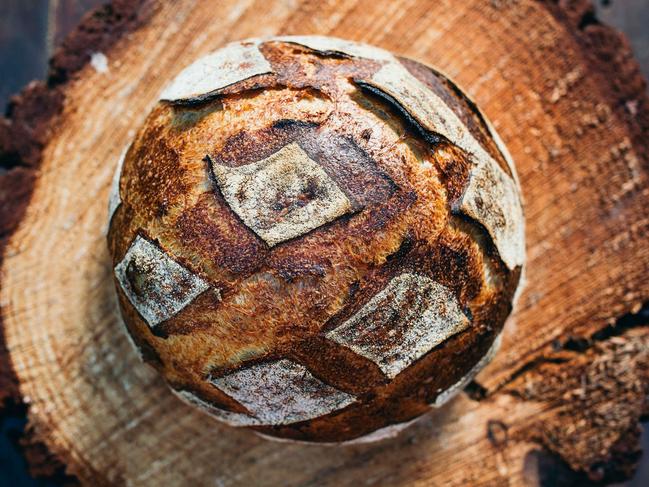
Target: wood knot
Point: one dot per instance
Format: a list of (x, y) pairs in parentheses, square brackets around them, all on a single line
[(497, 433)]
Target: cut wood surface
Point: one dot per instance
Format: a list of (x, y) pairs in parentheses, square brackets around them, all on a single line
[(570, 383)]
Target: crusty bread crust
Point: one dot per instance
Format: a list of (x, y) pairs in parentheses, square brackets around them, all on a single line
[(339, 232)]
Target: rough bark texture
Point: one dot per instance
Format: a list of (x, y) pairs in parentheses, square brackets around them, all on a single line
[(570, 384)]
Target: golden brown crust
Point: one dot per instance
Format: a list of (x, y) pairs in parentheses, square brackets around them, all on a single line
[(379, 206)]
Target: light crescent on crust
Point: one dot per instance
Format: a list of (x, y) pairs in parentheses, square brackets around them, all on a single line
[(269, 195), (167, 286), (227, 417), (406, 320), (385, 433), (324, 45), (497, 207), (491, 129), (232, 63), (448, 394), (129, 338), (501, 147), (282, 392), (114, 199)]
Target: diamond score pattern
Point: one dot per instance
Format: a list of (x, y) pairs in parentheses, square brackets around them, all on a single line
[(156, 285), (403, 322), (282, 392), (287, 195), (283, 196), (400, 324)]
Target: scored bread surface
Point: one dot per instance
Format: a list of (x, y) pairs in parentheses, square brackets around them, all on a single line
[(314, 238)]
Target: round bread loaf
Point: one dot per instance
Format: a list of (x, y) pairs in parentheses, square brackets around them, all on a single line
[(314, 238)]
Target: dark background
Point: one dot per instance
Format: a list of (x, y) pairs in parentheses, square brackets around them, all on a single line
[(30, 30)]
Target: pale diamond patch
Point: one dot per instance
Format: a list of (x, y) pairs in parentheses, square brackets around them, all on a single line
[(282, 392), (403, 322), (227, 417), (283, 196), (157, 286)]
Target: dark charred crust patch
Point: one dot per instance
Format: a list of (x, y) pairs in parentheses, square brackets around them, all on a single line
[(404, 249), (452, 264), (291, 124), (215, 232), (247, 147), (338, 365), (303, 267)]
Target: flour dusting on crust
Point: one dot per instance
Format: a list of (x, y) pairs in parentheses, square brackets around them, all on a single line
[(403, 322), (233, 63), (283, 196), (114, 199), (228, 417), (282, 392), (157, 286)]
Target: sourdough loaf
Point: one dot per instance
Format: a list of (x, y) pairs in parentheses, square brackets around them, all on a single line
[(314, 238)]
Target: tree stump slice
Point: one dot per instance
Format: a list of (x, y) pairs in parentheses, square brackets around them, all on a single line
[(562, 400)]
